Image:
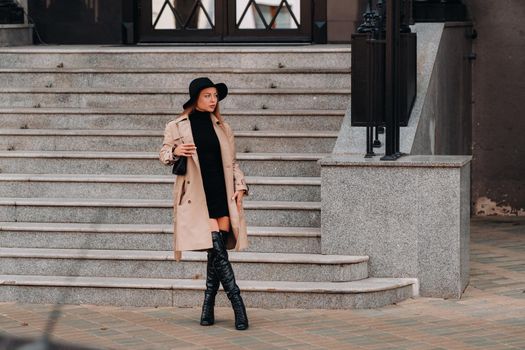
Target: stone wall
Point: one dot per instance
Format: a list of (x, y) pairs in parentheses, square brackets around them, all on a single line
[(343, 17), (411, 217), (498, 169), (445, 121)]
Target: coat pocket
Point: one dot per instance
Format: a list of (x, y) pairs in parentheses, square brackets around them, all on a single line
[(182, 191)]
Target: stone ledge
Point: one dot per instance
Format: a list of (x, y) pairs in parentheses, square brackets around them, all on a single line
[(151, 155), (153, 70), (144, 203), (263, 231), (150, 179), (172, 91), (16, 34), (158, 133), (155, 111), (419, 161), (72, 49), (363, 286), (15, 26), (136, 255)]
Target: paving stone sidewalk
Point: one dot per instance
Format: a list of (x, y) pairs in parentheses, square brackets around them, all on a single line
[(491, 315)]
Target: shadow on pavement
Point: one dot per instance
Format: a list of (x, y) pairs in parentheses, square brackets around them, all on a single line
[(17, 343)]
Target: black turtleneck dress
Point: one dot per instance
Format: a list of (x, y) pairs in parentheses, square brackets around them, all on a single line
[(210, 161)]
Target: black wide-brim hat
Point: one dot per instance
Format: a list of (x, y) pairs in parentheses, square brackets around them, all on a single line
[(199, 84)]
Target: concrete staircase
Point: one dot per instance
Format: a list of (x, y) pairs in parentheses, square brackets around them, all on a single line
[(85, 206)]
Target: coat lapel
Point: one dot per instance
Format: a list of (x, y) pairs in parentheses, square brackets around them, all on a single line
[(187, 136), (223, 140), (225, 149)]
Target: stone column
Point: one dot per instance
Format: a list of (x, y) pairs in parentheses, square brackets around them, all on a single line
[(411, 217)]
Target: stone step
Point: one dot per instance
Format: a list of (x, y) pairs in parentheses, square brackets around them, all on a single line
[(14, 34), (142, 211), (280, 98), (94, 186), (161, 264), (174, 77), (151, 140), (321, 56), (366, 293), (155, 118), (146, 237), (135, 163)]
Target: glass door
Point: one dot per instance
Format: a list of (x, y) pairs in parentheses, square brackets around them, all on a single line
[(270, 20), (180, 20), (225, 20)]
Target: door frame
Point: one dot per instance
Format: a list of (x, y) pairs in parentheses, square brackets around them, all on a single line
[(302, 34), (146, 33), (224, 30)]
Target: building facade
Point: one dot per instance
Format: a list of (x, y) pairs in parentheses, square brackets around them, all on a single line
[(146, 21), (497, 74)]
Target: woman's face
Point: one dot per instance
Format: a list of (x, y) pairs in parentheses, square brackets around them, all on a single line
[(208, 99)]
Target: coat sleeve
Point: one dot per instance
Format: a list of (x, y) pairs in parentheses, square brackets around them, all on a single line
[(238, 175), (166, 155)]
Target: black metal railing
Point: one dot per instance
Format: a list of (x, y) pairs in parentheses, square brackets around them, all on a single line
[(384, 73)]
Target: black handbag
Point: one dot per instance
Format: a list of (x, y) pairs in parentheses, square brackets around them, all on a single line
[(179, 167)]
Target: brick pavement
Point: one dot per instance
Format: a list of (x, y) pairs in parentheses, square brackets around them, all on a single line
[(491, 315)]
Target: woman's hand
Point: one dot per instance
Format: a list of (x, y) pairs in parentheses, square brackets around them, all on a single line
[(238, 195), (185, 149)]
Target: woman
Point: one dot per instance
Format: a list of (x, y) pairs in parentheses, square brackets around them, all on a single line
[(208, 199)]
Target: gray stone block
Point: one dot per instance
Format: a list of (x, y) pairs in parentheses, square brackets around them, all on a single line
[(284, 244), (44, 118), (151, 140), (16, 34), (86, 189), (154, 77), (328, 56), (253, 164), (161, 264), (410, 216), (369, 293), (56, 118), (80, 295), (168, 98), (146, 241), (326, 301), (258, 213), (92, 240), (159, 187), (464, 227), (284, 142), (298, 218), (287, 120)]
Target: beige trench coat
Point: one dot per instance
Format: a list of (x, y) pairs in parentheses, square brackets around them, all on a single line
[(191, 227)]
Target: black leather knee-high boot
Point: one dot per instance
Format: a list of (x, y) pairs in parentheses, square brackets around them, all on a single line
[(227, 278), (212, 286)]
